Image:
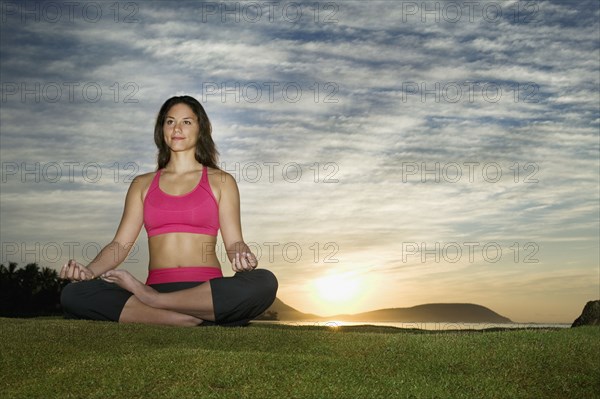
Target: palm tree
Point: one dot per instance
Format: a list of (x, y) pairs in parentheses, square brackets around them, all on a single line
[(29, 291), (7, 272)]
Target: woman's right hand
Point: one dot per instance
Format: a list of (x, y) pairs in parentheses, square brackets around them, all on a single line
[(75, 272)]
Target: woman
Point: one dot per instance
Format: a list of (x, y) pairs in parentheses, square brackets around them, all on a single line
[(182, 206)]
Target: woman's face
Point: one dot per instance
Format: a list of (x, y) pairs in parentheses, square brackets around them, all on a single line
[(181, 128)]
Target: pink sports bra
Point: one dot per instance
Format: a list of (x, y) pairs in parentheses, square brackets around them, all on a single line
[(195, 212)]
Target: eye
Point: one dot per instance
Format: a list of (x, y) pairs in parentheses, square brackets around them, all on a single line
[(169, 122), (188, 122)]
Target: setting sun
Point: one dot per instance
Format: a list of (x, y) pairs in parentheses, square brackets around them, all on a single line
[(337, 288)]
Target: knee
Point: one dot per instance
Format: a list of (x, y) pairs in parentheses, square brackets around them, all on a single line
[(255, 291), (263, 291), (259, 285), (267, 283)]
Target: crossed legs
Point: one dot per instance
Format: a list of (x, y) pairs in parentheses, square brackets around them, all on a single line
[(118, 296), (195, 302)]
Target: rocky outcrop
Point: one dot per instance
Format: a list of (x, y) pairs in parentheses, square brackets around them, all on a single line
[(434, 312), (431, 313), (590, 315)]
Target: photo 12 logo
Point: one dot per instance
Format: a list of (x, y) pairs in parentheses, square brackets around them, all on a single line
[(52, 12), (68, 92), (54, 253), (269, 11), (254, 92), (288, 252), (453, 252), (290, 172), (455, 12), (469, 92), (68, 171), (471, 172)]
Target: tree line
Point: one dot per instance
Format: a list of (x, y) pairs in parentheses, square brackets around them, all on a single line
[(29, 291)]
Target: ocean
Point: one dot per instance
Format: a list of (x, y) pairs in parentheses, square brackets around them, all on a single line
[(441, 326)]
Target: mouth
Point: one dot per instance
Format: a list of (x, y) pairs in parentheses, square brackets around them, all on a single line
[(177, 138)]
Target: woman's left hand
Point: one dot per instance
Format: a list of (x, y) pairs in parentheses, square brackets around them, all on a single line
[(244, 261)]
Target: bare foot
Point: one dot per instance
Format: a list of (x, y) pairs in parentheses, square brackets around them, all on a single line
[(125, 280)]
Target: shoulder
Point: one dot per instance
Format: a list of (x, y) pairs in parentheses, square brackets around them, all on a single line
[(141, 183), (143, 179), (220, 178), (221, 182)]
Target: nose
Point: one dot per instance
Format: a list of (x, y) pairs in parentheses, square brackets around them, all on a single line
[(177, 127)]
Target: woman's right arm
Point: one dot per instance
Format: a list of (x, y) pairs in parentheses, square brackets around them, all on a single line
[(113, 254)]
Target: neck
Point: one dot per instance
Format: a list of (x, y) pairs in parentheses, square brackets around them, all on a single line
[(182, 163)]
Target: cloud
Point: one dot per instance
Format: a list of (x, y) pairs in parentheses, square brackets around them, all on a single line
[(402, 123)]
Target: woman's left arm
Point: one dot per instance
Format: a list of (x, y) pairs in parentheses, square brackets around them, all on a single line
[(239, 254)]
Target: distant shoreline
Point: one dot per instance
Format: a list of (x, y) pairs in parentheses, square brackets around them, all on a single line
[(425, 326)]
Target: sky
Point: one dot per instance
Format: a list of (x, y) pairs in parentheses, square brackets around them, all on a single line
[(388, 153)]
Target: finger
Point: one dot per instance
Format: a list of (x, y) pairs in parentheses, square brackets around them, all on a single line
[(109, 276), (63, 271), (249, 261), (244, 262), (71, 270), (77, 272), (244, 259), (70, 273), (68, 269), (83, 275), (252, 260), (236, 262)]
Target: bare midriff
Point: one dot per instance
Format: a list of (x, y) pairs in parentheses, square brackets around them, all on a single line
[(182, 250)]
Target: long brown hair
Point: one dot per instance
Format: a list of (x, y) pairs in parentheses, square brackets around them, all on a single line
[(206, 150)]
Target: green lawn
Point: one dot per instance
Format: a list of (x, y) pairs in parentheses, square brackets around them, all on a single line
[(55, 358)]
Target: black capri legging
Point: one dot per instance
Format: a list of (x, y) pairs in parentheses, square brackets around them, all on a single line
[(236, 300)]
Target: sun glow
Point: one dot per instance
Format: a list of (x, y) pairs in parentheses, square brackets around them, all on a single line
[(337, 288)]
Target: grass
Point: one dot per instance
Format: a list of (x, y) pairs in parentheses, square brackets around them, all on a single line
[(55, 358)]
